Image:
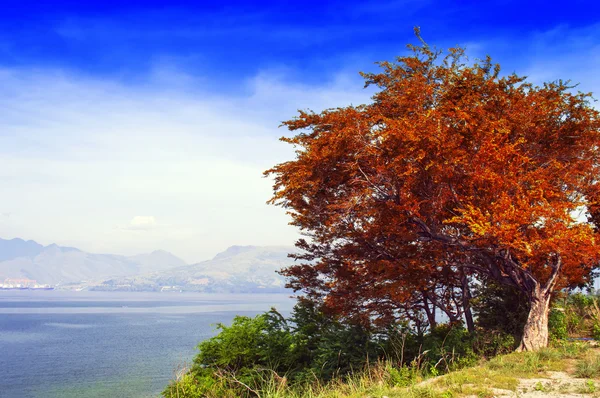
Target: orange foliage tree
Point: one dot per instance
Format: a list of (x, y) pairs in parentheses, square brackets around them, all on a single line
[(452, 172)]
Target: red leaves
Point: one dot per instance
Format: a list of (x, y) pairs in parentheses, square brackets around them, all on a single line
[(449, 166)]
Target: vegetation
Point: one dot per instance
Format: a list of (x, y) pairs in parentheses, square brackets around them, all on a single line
[(314, 353), (452, 176)]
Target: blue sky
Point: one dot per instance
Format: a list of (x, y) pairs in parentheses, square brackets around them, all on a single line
[(235, 40), (132, 126)]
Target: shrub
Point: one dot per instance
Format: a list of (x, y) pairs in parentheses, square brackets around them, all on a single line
[(577, 310), (557, 325), (193, 385), (490, 343), (500, 308), (449, 347), (307, 346), (324, 347), (246, 342), (402, 376), (248, 345), (596, 331)]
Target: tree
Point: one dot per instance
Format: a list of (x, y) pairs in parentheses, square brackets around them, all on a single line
[(452, 172)]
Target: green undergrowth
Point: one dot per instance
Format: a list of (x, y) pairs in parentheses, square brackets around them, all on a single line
[(315, 354), (383, 379)]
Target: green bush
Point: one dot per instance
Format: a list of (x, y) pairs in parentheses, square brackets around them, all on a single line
[(490, 343), (342, 350), (557, 325), (243, 350), (449, 347), (579, 303), (402, 376), (309, 345), (573, 322), (324, 347), (312, 347), (194, 385), (264, 340), (581, 313), (596, 331), (500, 308), (577, 311)]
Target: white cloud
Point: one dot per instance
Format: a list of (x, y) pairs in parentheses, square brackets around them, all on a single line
[(566, 53), (82, 155), (563, 52), (141, 223)]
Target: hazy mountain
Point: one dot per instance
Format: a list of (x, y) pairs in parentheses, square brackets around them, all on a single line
[(56, 265), (14, 248), (157, 260), (237, 269)]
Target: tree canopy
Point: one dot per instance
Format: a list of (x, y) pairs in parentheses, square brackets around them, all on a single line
[(453, 172)]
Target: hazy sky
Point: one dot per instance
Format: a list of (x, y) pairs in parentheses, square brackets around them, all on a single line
[(130, 128)]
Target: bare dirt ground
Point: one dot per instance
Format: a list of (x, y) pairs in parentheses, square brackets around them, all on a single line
[(550, 383), (556, 384)]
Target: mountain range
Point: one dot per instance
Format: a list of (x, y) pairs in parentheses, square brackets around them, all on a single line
[(241, 269), (237, 269), (56, 265)]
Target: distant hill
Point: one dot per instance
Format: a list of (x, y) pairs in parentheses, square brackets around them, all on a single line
[(242, 269), (157, 260), (58, 265), (14, 248)]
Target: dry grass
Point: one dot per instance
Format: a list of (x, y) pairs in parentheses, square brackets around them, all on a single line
[(566, 369)]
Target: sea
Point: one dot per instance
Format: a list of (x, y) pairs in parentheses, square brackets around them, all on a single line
[(58, 344)]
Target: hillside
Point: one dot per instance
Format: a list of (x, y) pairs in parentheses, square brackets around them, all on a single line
[(237, 269), (14, 248), (568, 370)]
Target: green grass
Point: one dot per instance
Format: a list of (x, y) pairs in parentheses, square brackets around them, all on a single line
[(588, 367), (383, 380)]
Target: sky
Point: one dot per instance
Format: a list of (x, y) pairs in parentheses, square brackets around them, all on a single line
[(127, 127)]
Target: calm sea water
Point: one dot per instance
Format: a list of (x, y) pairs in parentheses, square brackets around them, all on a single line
[(97, 344)]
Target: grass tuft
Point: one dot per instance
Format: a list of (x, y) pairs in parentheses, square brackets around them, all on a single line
[(588, 368)]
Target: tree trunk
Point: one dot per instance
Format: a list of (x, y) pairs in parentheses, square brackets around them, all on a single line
[(466, 302), (535, 333), (429, 312)]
